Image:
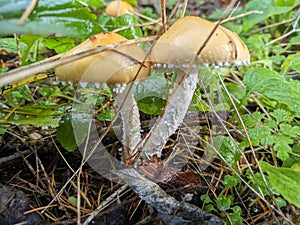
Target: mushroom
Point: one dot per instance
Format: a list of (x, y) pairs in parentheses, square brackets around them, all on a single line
[(118, 8), (186, 46), (116, 67)]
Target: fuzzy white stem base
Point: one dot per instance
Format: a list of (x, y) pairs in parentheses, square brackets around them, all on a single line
[(174, 113), (130, 119)]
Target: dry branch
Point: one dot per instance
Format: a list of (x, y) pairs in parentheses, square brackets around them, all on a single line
[(156, 197)]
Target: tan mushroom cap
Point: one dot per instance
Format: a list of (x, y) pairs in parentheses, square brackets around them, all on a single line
[(111, 67), (179, 45), (118, 8)]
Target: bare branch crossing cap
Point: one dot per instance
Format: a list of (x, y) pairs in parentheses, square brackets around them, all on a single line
[(179, 45), (117, 66)]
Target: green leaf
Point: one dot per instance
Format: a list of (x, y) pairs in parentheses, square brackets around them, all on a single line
[(231, 181), (122, 21), (282, 146), (32, 43), (59, 44), (64, 17), (257, 43), (292, 62), (132, 2), (236, 217), (223, 203), (152, 105), (73, 200), (295, 40), (237, 90), (274, 86), (253, 120), (256, 134), (10, 45), (296, 167), (293, 158), (107, 115), (280, 202), (284, 2), (257, 181), (268, 140), (37, 115), (94, 3), (291, 131), (228, 149), (153, 86), (257, 79), (65, 135), (200, 105), (74, 129), (272, 124), (281, 115), (209, 208), (150, 94), (3, 129), (67, 131), (281, 178), (150, 12), (45, 91), (16, 96), (269, 8), (205, 198)]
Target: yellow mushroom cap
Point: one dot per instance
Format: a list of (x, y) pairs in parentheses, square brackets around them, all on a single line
[(118, 8), (111, 67), (179, 45)]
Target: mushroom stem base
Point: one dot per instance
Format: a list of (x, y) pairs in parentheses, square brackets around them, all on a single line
[(131, 120), (173, 115)]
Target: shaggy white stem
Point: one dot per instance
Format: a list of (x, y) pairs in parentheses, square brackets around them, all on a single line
[(130, 119), (174, 113)]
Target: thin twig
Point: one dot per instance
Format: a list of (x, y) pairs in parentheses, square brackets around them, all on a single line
[(163, 15), (61, 155), (105, 203), (79, 173), (50, 187), (136, 25), (27, 12), (241, 15), (5, 161), (185, 3), (283, 36), (174, 10), (271, 25)]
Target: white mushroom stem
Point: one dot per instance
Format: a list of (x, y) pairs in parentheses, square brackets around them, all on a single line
[(173, 115), (131, 120)]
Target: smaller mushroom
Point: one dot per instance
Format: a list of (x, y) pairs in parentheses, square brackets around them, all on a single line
[(116, 67), (177, 50), (118, 8)]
